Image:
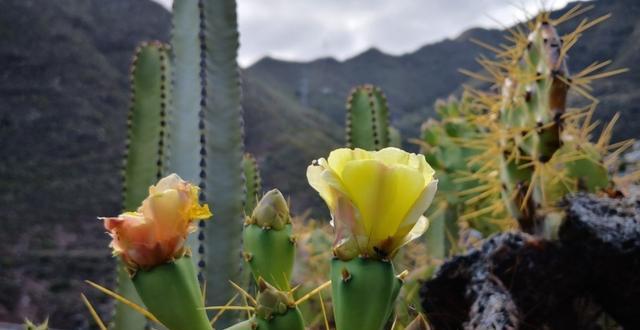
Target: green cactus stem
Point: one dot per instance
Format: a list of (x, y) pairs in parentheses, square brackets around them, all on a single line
[(172, 294), (250, 324), (276, 309), (222, 172), (206, 140), (367, 118), (185, 138), (145, 153), (253, 182), (364, 292), (269, 247)]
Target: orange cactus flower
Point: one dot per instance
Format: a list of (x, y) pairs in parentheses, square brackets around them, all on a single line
[(156, 232)]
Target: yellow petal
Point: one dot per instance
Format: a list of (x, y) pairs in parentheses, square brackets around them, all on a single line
[(418, 230), (417, 210), (314, 176), (340, 157), (391, 156), (171, 181), (382, 194)]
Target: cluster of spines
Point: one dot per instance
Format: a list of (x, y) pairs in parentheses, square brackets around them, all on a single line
[(529, 120), (377, 124), (201, 126)]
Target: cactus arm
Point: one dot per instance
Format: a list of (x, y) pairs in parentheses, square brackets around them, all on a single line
[(184, 138), (253, 182), (223, 147), (381, 112), (367, 125), (144, 154)]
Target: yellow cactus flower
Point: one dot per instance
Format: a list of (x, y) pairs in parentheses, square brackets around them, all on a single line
[(376, 198), (156, 232)]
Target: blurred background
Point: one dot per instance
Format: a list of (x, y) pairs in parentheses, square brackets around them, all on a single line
[(64, 98)]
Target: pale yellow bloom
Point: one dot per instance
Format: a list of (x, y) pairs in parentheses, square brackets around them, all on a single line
[(376, 198), (156, 232)]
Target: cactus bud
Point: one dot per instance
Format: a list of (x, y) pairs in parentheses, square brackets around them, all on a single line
[(276, 309), (268, 241), (271, 212)]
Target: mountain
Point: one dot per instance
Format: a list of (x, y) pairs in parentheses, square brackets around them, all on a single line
[(415, 80), (64, 97)]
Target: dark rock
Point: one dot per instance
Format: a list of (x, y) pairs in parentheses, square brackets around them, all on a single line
[(516, 280)]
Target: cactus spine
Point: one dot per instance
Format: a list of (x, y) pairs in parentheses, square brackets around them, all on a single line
[(145, 152), (253, 182), (531, 149), (367, 118)]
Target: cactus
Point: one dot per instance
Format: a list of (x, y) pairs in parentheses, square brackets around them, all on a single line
[(223, 146), (275, 310), (364, 292), (145, 152), (367, 118), (185, 134), (446, 146), (269, 247), (253, 182), (543, 150), (207, 132), (172, 292)]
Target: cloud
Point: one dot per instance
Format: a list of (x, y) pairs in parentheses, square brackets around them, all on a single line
[(303, 30)]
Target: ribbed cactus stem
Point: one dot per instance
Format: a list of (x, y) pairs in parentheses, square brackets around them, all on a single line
[(253, 182), (207, 133), (367, 123), (222, 174), (185, 127), (145, 151)]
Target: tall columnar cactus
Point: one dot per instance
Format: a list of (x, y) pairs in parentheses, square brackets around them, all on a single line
[(543, 150), (145, 151), (367, 119), (207, 131), (253, 182)]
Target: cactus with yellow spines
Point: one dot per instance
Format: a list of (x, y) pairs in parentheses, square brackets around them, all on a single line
[(367, 124), (543, 150), (443, 144)]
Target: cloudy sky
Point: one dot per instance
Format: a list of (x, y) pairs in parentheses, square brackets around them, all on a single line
[(303, 30)]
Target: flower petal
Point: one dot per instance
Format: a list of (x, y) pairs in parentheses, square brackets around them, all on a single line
[(418, 230), (382, 194), (417, 210)]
